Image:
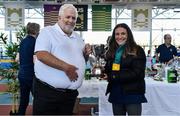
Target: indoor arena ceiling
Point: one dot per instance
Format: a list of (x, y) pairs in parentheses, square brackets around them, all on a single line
[(39, 3)]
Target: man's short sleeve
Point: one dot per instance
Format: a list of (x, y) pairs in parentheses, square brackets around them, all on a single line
[(43, 41), (158, 49)]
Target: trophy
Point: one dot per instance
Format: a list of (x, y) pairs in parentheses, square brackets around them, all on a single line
[(97, 60), (160, 71)]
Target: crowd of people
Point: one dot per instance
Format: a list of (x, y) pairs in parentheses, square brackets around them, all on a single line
[(57, 70)]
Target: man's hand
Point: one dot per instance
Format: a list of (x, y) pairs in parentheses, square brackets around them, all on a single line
[(87, 50), (71, 72)]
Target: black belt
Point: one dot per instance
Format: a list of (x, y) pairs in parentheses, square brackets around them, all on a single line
[(57, 89)]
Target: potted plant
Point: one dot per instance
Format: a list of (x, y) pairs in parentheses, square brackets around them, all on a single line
[(11, 73), (13, 86)]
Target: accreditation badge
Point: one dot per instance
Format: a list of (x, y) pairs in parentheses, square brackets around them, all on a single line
[(115, 67)]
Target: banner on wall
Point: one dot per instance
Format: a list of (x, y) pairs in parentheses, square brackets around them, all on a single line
[(101, 17), (14, 17), (141, 18), (51, 16)]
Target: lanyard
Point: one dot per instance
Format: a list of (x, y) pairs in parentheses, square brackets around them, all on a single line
[(118, 54)]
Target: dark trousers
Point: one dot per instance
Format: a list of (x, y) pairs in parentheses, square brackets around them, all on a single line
[(50, 101), (130, 109), (25, 89)]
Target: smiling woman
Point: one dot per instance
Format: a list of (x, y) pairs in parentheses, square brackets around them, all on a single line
[(125, 69)]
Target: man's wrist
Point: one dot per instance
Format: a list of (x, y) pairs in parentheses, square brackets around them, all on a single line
[(86, 57)]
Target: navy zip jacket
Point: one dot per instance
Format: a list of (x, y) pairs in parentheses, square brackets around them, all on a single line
[(131, 75)]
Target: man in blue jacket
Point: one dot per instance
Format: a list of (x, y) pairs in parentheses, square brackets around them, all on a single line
[(166, 51)]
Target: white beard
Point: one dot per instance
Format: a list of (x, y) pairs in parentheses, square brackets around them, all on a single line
[(68, 28)]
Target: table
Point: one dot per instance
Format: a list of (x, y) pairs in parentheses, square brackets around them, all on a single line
[(163, 98), (89, 88)]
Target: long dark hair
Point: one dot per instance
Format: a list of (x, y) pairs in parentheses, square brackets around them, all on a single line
[(130, 46)]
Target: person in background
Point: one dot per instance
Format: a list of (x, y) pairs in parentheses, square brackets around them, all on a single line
[(125, 70), (26, 65), (149, 53), (178, 51), (166, 51), (59, 65), (107, 43)]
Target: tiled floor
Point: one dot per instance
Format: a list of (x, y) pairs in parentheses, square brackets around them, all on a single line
[(83, 106), (3, 87), (6, 100), (5, 109), (82, 109)]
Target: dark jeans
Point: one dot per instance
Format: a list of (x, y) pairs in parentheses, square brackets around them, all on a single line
[(130, 109), (50, 101), (25, 89)]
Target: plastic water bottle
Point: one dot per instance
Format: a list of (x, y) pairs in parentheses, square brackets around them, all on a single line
[(167, 68), (87, 71)]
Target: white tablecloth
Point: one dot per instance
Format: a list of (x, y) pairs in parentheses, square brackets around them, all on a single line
[(163, 98), (90, 88)]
